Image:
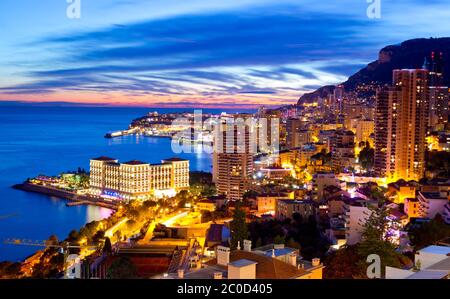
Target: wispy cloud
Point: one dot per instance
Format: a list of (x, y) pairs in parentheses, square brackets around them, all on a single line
[(271, 53)]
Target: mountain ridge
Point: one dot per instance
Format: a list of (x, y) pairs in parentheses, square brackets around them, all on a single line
[(409, 54)]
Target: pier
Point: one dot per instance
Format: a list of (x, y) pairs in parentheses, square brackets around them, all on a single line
[(122, 133), (74, 198)]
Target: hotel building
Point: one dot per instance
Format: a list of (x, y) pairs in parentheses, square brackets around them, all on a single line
[(136, 179), (401, 125)]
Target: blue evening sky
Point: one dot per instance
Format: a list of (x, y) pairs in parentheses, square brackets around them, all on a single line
[(197, 51)]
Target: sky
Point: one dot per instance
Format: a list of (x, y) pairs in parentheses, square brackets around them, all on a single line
[(199, 53)]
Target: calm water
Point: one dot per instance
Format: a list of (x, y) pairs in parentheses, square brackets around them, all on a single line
[(51, 140)]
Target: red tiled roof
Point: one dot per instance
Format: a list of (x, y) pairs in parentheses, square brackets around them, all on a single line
[(135, 162), (104, 158), (267, 267)]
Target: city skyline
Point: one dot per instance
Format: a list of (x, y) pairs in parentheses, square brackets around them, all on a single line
[(251, 139), (169, 54)]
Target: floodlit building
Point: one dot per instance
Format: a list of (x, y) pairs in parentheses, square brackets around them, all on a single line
[(233, 161), (363, 129), (137, 179), (357, 213), (401, 126), (412, 208), (320, 181), (267, 202), (433, 263), (439, 108), (343, 150), (432, 203), (286, 208)]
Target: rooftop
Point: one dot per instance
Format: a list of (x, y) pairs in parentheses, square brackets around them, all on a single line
[(135, 162), (104, 158), (443, 265), (279, 252), (435, 249), (266, 267), (297, 202), (243, 263), (174, 159), (433, 195), (428, 274)]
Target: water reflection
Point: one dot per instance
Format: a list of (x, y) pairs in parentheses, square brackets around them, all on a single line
[(94, 213)]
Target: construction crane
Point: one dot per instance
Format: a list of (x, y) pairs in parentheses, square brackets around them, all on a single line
[(64, 247)]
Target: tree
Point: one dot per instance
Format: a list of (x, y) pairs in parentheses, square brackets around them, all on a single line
[(293, 244), (206, 216), (279, 239), (439, 162), (366, 157), (107, 247), (377, 238), (239, 231), (344, 264), (122, 268), (429, 232), (53, 240), (249, 194), (10, 270)]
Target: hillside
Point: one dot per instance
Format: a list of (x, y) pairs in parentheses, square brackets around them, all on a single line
[(407, 55)]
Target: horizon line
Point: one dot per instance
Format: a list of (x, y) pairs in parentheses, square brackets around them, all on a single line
[(136, 105)]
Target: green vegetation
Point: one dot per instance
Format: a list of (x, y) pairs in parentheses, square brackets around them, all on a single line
[(201, 184), (438, 162), (366, 157), (428, 233), (10, 270), (377, 239), (350, 261), (239, 231), (323, 156), (122, 268), (298, 233)]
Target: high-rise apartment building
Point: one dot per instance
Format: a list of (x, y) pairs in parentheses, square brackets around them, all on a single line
[(439, 93), (439, 107), (342, 150), (435, 66), (401, 126), (233, 159), (293, 126), (363, 130)]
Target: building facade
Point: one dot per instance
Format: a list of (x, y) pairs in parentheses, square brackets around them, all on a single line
[(343, 150), (356, 216), (232, 161), (401, 126), (286, 208), (136, 179)]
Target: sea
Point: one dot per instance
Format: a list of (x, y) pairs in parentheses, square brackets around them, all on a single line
[(39, 139)]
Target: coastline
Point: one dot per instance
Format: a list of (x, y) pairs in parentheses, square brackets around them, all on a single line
[(74, 198)]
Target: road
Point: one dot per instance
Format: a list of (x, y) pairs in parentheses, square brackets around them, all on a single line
[(111, 231), (167, 221)]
